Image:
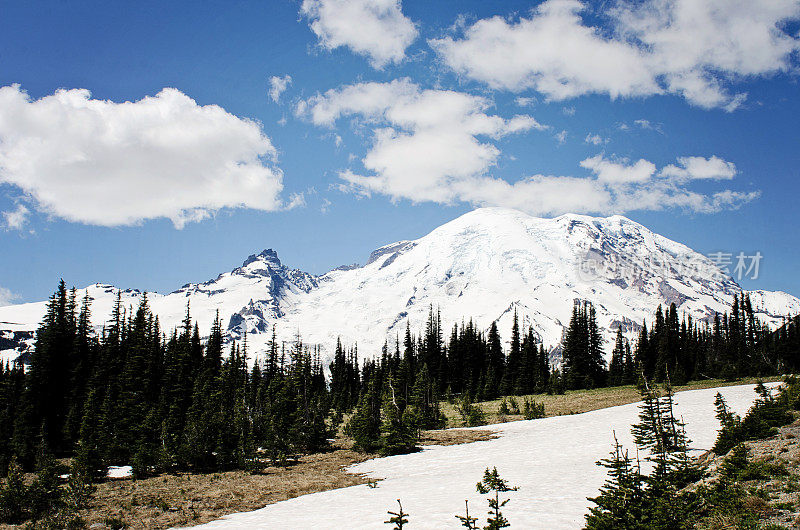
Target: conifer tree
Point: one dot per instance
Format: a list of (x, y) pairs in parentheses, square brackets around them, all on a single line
[(616, 371), (467, 521), (492, 483), (399, 431), (494, 380), (514, 363), (365, 425), (88, 454), (399, 518), (584, 363), (619, 504), (425, 402), (44, 493), (13, 495)]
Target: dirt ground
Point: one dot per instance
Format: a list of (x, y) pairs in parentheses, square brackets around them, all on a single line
[(191, 499), (776, 500)]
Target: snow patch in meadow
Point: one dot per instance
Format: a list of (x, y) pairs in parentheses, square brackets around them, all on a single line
[(119, 472), (552, 460)]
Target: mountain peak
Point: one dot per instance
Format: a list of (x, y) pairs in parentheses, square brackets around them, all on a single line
[(498, 213), (267, 255)]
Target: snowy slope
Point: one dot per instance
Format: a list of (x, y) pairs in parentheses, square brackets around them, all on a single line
[(492, 261), (483, 265), (551, 460), (247, 297)]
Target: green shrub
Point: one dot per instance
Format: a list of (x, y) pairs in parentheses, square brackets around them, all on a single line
[(532, 410), (13, 495), (512, 403), (504, 410), (761, 421), (471, 415)]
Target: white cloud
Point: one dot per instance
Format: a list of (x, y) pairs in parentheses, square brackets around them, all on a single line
[(278, 85), (699, 168), (7, 297), (642, 124), (525, 101), (424, 142), (561, 137), (619, 171), (568, 111), (697, 50), (639, 186), (555, 195), (325, 206), (110, 164), (552, 52), (595, 139), (428, 146), (647, 124), (376, 29), (16, 219)]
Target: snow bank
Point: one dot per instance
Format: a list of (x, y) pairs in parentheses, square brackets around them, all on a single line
[(120, 472), (552, 460)]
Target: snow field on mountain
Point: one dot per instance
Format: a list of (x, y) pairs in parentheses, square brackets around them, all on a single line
[(552, 460), (484, 265)]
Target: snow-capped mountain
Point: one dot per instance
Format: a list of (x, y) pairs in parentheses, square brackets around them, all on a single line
[(483, 265)]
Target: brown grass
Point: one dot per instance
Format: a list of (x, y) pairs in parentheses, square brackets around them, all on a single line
[(578, 401), (455, 436), (190, 499)]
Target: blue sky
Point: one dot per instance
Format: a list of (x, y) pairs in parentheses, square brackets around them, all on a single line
[(398, 118)]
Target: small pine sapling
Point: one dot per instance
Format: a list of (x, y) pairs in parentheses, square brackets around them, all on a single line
[(467, 521), (471, 415), (726, 418), (79, 489), (504, 410), (512, 403), (532, 410), (399, 518), (762, 391), (13, 495), (493, 483)]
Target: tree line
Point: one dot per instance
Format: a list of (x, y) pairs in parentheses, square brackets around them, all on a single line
[(729, 346), (163, 401), (133, 395)]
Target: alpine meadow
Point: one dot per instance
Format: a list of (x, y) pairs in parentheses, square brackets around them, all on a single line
[(538, 264)]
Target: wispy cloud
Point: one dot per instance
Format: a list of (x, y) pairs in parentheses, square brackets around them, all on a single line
[(7, 297), (595, 139), (16, 219), (278, 85)]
